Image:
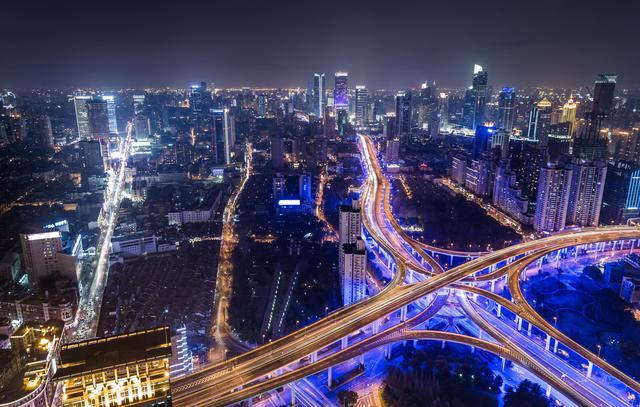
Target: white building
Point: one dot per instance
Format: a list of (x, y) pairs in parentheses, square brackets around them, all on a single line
[(553, 199), (353, 271), (587, 187)]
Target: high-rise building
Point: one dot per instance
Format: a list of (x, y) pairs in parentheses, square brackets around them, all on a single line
[(44, 257), (500, 142), (124, 370), (82, 116), (540, 122), (585, 196), (138, 104), (90, 158), (223, 133), (506, 109), (479, 92), (98, 116), (389, 129), (478, 177), (403, 116), (553, 199), (621, 197), (41, 131), (111, 110), (341, 91), (318, 96), (142, 127), (507, 196), (362, 105), (569, 111), (589, 143), (482, 140), (392, 152), (262, 105), (353, 271), (350, 222), (199, 102), (277, 152)]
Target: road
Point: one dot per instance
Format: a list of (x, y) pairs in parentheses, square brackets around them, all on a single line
[(245, 375)]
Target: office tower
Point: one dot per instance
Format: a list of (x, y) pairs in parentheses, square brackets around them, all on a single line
[(403, 116), (627, 145), (279, 186), (199, 102), (506, 109), (350, 222), (590, 144), (621, 197), (526, 159), (277, 152), (479, 93), (124, 370), (553, 199), (41, 132), (90, 157), (45, 258), (181, 361), (540, 122), (343, 121), (304, 188), (362, 105), (482, 140), (500, 142), (27, 367), (329, 124), (392, 151), (317, 96), (478, 177), (353, 272), (459, 170), (82, 116), (389, 129), (111, 110), (98, 117), (569, 111), (341, 91), (507, 196), (138, 104), (262, 105), (585, 196), (223, 134)]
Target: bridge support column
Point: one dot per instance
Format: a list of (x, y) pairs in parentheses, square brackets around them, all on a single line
[(403, 314), (555, 346), (361, 360), (293, 393), (344, 342), (547, 343), (529, 329), (330, 377), (443, 344), (519, 323), (387, 352), (451, 260), (375, 327), (589, 369), (493, 286), (473, 349), (504, 362), (314, 357), (548, 391), (499, 311)]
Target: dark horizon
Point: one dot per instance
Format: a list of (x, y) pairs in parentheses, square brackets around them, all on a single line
[(150, 44)]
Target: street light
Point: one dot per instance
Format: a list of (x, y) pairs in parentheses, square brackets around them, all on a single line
[(555, 321)]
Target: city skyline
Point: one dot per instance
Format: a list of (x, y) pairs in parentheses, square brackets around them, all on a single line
[(386, 46)]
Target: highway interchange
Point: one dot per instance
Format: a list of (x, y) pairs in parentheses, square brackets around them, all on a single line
[(420, 278)]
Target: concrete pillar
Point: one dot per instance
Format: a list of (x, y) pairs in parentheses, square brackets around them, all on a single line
[(387, 351), (403, 314), (344, 342), (548, 391), (589, 369), (499, 312), (493, 286), (529, 329), (451, 260), (473, 349), (293, 393), (375, 326), (361, 360), (330, 377), (555, 346), (443, 344), (504, 362), (519, 324), (410, 276), (547, 342)]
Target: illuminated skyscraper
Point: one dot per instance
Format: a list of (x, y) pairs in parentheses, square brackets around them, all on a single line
[(353, 272), (82, 118), (111, 110), (403, 116), (479, 93), (506, 109), (553, 199), (199, 102), (585, 196), (341, 91), (318, 96), (569, 111), (362, 105), (138, 103), (223, 134), (540, 122), (44, 256), (621, 197), (98, 116)]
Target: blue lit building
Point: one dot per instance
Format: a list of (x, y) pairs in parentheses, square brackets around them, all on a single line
[(621, 197), (341, 91), (482, 141), (506, 109)]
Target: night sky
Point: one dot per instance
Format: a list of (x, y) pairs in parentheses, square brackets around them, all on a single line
[(392, 44)]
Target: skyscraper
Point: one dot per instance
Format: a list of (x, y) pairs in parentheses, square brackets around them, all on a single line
[(403, 116), (506, 109), (569, 111), (138, 104), (590, 143), (318, 96), (199, 102), (585, 196), (98, 117), (362, 105), (44, 257), (621, 197), (111, 110), (341, 91), (479, 92), (277, 152), (41, 131), (553, 199), (350, 222), (82, 118), (353, 271), (482, 140), (223, 134), (539, 122)]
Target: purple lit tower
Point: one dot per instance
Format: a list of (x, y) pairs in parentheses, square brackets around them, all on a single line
[(341, 91)]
